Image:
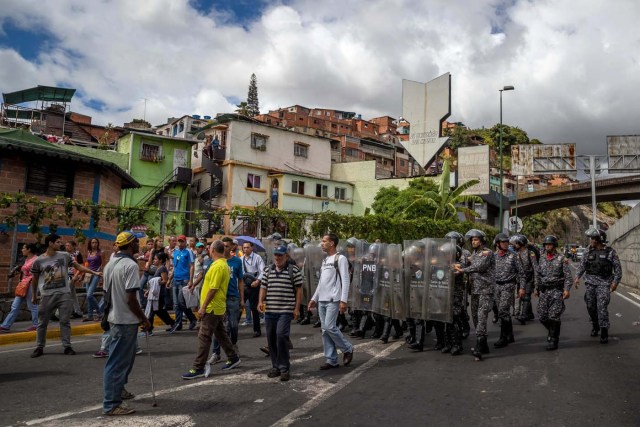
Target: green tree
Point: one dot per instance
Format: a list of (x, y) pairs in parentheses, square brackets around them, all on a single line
[(394, 202), (447, 202), (243, 109), (253, 106), (534, 225)]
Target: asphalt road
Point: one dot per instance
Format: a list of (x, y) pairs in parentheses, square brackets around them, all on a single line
[(583, 383)]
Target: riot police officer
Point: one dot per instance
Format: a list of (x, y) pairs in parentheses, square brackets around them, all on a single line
[(453, 333), (553, 285), (529, 266), (508, 276), (602, 270), (461, 280), (481, 270)]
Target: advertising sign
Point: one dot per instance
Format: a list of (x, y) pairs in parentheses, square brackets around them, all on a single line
[(473, 163), (624, 153), (543, 159)]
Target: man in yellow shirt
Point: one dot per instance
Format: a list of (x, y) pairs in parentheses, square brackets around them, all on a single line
[(213, 298)]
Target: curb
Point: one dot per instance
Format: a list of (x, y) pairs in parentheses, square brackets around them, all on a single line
[(54, 333)]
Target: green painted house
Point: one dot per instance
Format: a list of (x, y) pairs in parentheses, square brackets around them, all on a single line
[(162, 167)]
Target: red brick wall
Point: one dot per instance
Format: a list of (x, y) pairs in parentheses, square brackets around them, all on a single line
[(12, 180)]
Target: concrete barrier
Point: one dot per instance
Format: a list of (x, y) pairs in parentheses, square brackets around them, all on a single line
[(624, 237)]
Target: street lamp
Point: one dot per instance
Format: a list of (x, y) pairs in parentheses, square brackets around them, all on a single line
[(501, 224)]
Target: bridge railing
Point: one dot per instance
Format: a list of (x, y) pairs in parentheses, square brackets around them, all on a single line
[(578, 186)]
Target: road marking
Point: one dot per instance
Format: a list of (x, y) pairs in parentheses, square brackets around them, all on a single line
[(132, 421), (342, 383), (32, 346), (628, 299), (635, 296), (249, 376)]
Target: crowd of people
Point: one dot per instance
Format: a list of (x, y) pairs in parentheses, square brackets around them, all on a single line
[(422, 286)]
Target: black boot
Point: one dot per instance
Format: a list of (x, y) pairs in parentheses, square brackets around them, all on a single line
[(475, 351), (307, 318), (355, 321), (604, 335), (502, 341), (362, 329), (554, 332), (303, 311), (484, 346), (342, 322), (466, 327), (547, 324), (411, 338), (379, 326), (418, 345), (448, 338), (495, 313), (397, 327), (439, 327), (595, 330), (510, 338), (386, 330)]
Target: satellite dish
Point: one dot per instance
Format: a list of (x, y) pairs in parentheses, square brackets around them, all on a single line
[(200, 136)]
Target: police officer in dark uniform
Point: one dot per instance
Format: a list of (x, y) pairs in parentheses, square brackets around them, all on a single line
[(602, 271), (462, 280), (453, 333), (553, 285), (529, 265), (509, 277)]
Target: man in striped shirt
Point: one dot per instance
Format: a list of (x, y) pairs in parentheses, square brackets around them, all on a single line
[(280, 297)]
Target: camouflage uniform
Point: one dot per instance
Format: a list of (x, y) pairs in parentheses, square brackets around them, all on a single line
[(601, 269), (509, 274), (481, 272), (454, 329), (553, 278), (529, 266), (465, 303)]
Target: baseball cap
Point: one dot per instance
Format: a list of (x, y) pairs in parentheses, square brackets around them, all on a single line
[(199, 245), (182, 237), (280, 250), (127, 237)]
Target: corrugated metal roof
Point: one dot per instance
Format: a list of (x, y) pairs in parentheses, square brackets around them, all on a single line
[(39, 93)]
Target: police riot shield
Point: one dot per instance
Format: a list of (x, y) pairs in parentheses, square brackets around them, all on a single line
[(313, 261), (414, 277), (364, 271), (438, 301), (398, 289), (382, 292), (298, 255)]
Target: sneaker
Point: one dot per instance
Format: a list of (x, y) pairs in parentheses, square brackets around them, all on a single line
[(265, 350), (284, 376), (138, 351), (215, 358), (193, 374), (262, 321), (3, 329), (192, 326), (31, 328), (69, 351), (125, 395), (120, 410), (175, 327), (231, 363), (100, 354), (273, 373), (37, 352), (246, 323)]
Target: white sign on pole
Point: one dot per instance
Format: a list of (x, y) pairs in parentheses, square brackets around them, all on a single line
[(624, 153), (543, 158), (473, 163), (425, 106), (515, 224)]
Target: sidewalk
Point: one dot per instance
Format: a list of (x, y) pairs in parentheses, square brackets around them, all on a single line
[(19, 333)]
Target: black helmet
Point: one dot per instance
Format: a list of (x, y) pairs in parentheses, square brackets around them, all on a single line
[(598, 235), (518, 239), (455, 235), (500, 237), (476, 233), (550, 240)]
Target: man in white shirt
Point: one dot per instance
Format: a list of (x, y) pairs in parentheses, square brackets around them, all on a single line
[(331, 298), (253, 267)]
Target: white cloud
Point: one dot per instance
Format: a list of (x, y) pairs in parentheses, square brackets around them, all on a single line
[(575, 67)]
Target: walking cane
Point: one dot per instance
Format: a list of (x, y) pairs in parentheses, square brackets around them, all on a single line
[(153, 389)]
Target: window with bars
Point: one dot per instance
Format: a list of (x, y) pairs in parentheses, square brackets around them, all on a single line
[(151, 152), (50, 179), (168, 203), (300, 150), (259, 142)]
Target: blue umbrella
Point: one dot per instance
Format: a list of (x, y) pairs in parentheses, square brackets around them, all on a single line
[(257, 244)]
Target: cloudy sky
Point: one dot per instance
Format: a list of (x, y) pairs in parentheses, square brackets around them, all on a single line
[(575, 65)]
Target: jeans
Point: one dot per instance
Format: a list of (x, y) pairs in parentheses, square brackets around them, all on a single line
[(247, 310), (331, 335), (15, 309), (48, 305), (142, 282), (211, 325), (178, 302), (233, 308), (122, 354), (278, 327), (92, 302)]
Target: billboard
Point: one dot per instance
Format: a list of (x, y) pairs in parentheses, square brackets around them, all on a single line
[(624, 153), (425, 106), (543, 159), (473, 163)]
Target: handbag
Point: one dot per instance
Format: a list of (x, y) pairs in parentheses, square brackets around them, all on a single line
[(104, 322), (23, 288)]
